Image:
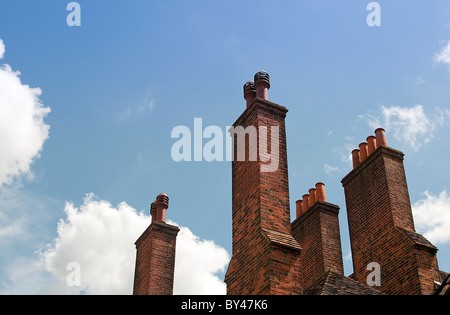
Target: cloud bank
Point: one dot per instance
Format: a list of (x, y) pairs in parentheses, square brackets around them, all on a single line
[(432, 217), (410, 125)]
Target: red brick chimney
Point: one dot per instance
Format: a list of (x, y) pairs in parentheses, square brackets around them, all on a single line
[(265, 255), (155, 256), (381, 224), (317, 232)]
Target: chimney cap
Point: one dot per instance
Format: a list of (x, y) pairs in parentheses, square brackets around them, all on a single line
[(262, 75), (152, 207), (162, 198), (249, 86), (380, 137)]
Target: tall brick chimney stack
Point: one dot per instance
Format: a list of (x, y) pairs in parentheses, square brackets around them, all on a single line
[(381, 224), (265, 255), (155, 256)]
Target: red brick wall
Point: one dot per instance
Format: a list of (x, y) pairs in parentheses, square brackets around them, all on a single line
[(155, 260), (317, 232)]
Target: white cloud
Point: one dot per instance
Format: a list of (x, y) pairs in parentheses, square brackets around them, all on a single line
[(137, 110), (444, 55), (410, 125), (100, 238), (2, 49), (22, 128), (10, 228), (25, 218), (328, 169), (419, 80), (432, 217), (344, 152), (26, 276), (196, 265)]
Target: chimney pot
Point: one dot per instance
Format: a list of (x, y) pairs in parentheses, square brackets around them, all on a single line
[(249, 92), (153, 210), (312, 197), (320, 192), (262, 84), (305, 204), (161, 205), (163, 198), (363, 152), (371, 144), (381, 137), (355, 158), (298, 207)]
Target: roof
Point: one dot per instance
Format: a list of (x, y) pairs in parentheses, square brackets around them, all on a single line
[(419, 240), (332, 283), (444, 288), (281, 239)]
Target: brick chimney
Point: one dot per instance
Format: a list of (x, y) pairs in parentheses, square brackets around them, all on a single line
[(155, 253), (381, 224), (316, 230), (265, 255)]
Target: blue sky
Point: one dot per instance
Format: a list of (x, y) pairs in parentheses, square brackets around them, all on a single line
[(116, 86)]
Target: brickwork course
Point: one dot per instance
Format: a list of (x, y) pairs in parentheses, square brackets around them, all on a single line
[(273, 256)]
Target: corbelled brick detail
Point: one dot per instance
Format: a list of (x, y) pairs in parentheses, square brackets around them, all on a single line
[(381, 226), (265, 255)]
